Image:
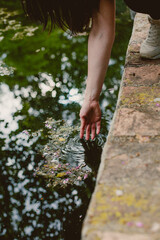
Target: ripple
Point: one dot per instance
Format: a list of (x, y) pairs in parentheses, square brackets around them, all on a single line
[(79, 151), (74, 152)]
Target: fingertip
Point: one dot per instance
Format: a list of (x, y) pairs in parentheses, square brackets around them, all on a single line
[(98, 131), (93, 131), (81, 136), (82, 128), (98, 127), (81, 133), (87, 137), (88, 132)]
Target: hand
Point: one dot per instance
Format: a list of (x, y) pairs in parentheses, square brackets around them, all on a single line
[(90, 116)]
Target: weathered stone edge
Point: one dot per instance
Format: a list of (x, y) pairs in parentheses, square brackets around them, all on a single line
[(89, 232)]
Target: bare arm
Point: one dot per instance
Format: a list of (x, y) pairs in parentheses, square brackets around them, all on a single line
[(100, 43)]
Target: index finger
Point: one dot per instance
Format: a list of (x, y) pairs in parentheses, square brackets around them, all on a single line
[(82, 128)]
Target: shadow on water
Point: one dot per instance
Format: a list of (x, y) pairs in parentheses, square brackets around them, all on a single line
[(42, 76)]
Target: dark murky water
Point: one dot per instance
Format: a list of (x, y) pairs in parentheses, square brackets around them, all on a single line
[(43, 76)]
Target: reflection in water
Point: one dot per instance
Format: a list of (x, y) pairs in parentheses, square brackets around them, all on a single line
[(79, 151), (68, 159), (42, 76)]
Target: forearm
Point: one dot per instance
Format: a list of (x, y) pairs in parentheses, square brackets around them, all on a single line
[(100, 43), (99, 50)]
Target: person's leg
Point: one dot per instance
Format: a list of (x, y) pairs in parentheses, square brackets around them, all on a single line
[(150, 48)]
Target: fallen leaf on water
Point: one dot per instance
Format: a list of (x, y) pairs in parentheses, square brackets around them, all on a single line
[(62, 139), (61, 174)]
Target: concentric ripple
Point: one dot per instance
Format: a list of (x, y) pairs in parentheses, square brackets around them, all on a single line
[(78, 152)]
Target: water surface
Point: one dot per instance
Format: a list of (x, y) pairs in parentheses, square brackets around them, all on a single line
[(43, 76)]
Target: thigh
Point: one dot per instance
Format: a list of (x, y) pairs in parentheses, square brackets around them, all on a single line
[(150, 7)]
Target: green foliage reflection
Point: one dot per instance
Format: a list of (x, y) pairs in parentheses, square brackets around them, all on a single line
[(43, 76)]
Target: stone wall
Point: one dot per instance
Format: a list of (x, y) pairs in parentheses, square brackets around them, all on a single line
[(126, 202)]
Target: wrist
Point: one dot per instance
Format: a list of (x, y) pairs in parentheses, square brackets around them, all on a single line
[(91, 94), (91, 97), (93, 88)]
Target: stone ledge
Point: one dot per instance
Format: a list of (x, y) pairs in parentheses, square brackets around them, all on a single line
[(125, 203), (130, 122), (121, 236), (148, 75)]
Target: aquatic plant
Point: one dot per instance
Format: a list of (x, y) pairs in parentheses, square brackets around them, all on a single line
[(55, 169)]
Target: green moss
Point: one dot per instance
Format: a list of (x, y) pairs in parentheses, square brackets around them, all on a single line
[(140, 96), (123, 209), (128, 81)]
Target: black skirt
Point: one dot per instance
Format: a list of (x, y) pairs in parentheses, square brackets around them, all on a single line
[(145, 6)]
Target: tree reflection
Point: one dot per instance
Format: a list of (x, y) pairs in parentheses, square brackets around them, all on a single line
[(43, 76)]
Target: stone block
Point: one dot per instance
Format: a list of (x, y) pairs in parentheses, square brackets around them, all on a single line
[(138, 160), (123, 236), (125, 204), (133, 58), (141, 96), (132, 122), (148, 75)]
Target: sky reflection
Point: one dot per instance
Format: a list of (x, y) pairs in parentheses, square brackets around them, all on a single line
[(44, 76)]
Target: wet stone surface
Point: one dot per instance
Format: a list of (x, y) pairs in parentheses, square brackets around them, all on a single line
[(125, 204)]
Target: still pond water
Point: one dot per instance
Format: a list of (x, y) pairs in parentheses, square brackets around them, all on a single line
[(43, 76)]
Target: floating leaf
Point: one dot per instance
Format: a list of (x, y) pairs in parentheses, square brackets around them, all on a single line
[(62, 139), (60, 175)]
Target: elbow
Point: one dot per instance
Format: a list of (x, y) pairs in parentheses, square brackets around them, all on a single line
[(103, 30), (104, 34)]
